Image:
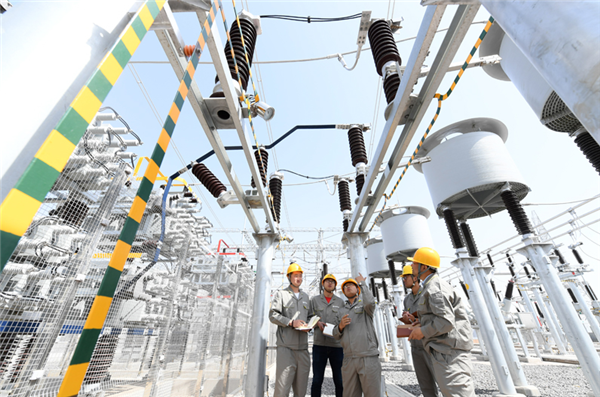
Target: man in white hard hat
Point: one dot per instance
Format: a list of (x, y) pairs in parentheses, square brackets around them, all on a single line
[(361, 370), (444, 327), (289, 310), (421, 359), (328, 307)]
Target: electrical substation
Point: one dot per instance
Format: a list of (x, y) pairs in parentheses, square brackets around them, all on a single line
[(165, 162)]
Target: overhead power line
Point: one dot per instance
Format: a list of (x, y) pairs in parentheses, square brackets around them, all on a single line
[(309, 19)]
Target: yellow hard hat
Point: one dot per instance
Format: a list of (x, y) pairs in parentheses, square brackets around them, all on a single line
[(426, 256), (329, 277), (294, 267), (351, 280), (407, 271)]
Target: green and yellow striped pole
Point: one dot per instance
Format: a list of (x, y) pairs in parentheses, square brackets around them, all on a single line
[(23, 201), (80, 361)]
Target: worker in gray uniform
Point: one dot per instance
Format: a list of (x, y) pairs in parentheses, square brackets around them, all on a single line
[(444, 327), (421, 359), (289, 310), (328, 307), (361, 370)]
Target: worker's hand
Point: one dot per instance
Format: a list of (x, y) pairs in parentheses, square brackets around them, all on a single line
[(345, 321), (408, 318), (321, 325), (298, 323), (360, 278), (416, 334)]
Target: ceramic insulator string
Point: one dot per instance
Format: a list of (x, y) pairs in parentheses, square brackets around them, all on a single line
[(590, 148), (516, 211), (453, 230), (276, 186), (262, 159), (249, 32), (208, 179), (468, 235)]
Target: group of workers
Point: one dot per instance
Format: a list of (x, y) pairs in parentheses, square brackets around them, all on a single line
[(441, 336)]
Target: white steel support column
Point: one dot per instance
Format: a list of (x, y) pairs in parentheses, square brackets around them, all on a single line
[(555, 332), (522, 341), (406, 349), (502, 333), (259, 330), (500, 369), (539, 255), (356, 254), (380, 330), (391, 322), (539, 328), (585, 308)]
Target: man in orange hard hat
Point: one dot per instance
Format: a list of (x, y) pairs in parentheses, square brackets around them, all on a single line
[(421, 359), (444, 327), (289, 310), (361, 370), (328, 307)]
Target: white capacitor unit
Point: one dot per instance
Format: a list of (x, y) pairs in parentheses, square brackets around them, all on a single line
[(469, 167), (404, 230), (376, 261), (543, 100)]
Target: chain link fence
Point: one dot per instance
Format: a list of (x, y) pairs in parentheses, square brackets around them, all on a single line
[(179, 323)]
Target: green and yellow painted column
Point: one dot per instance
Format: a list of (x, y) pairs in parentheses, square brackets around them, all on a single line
[(80, 361), (23, 201)]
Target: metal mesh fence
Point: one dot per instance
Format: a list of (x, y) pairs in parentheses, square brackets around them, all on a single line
[(178, 325)]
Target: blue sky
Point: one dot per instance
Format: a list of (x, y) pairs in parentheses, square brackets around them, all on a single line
[(323, 92)]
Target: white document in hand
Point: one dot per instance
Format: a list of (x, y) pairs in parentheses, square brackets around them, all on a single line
[(311, 324), (328, 330)]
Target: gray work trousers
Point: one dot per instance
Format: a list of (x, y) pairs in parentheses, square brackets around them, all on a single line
[(361, 375), (293, 367), (424, 371), (453, 373)]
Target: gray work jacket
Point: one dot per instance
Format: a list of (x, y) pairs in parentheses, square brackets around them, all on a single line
[(410, 305), (283, 307), (444, 321), (329, 313), (359, 338)]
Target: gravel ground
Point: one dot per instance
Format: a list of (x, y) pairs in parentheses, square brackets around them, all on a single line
[(552, 379)]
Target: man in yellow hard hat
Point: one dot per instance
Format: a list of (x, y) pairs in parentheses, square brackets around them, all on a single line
[(421, 359), (444, 327), (361, 370), (328, 307), (289, 310)]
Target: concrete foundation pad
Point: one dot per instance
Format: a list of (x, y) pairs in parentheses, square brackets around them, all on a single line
[(531, 360), (384, 359), (479, 357), (529, 390), (407, 367)]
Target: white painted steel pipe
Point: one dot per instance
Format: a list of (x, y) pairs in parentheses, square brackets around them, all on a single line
[(391, 321), (503, 335), (356, 254), (381, 337), (500, 368), (406, 350), (551, 325), (574, 329), (259, 330), (585, 309)]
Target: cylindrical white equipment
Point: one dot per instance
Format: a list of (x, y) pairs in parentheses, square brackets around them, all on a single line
[(469, 165), (559, 38), (515, 67), (404, 230), (376, 260)]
